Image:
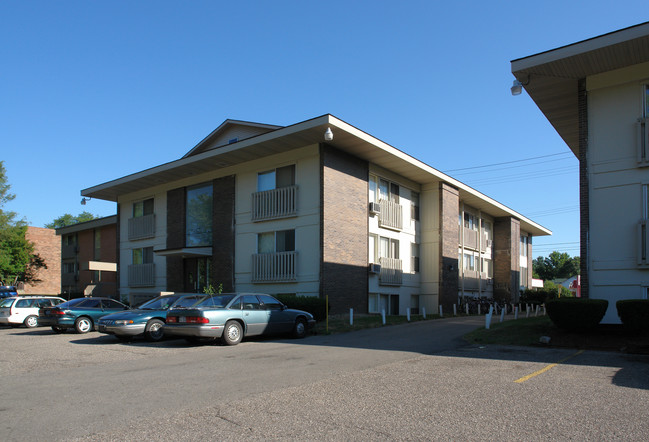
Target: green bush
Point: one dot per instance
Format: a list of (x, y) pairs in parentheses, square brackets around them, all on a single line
[(312, 304), (634, 314), (537, 297), (576, 314)]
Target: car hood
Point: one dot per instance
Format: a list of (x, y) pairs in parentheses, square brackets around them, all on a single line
[(135, 314)]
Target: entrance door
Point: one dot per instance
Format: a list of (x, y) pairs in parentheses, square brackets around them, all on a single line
[(197, 274)]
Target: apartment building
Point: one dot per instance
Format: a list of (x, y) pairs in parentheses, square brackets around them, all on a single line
[(595, 93), (88, 258), (318, 208)]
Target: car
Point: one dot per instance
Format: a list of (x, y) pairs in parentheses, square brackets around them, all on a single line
[(23, 310), (233, 316), (80, 314), (148, 319), (8, 290)]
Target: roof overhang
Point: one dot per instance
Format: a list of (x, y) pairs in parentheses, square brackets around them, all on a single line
[(346, 138), (186, 252), (551, 78), (87, 225)]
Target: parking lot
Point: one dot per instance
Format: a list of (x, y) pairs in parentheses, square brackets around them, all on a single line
[(412, 382)]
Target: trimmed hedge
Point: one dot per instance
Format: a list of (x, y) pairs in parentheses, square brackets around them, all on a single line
[(576, 314), (634, 314), (537, 297), (312, 304)]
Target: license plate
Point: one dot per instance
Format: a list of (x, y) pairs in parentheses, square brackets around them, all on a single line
[(182, 319)]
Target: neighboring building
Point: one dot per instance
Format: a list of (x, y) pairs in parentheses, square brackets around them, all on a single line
[(88, 258), (595, 93), (48, 247), (318, 208)]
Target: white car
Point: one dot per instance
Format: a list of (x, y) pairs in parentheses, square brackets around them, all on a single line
[(18, 310)]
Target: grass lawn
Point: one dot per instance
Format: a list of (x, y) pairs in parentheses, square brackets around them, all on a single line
[(340, 323), (528, 331)]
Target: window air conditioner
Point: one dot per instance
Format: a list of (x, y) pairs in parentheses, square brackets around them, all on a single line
[(375, 208), (375, 268)]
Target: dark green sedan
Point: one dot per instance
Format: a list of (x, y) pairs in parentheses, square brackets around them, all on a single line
[(80, 314), (148, 319)]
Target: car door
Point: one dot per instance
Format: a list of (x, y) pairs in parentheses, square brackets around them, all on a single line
[(280, 320), (89, 307), (255, 318)]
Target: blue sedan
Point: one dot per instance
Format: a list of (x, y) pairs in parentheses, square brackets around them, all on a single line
[(148, 319), (80, 314)]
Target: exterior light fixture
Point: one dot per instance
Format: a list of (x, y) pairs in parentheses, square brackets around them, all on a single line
[(84, 201), (329, 135), (517, 87)]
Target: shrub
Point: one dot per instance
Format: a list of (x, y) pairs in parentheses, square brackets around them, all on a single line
[(634, 314), (537, 297), (576, 314), (312, 304)]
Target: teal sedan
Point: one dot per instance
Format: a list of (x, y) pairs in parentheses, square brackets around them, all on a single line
[(80, 314), (148, 319)]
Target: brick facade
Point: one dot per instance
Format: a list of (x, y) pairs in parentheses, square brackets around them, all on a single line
[(223, 233), (344, 230), (48, 246), (175, 238), (507, 232), (449, 204)]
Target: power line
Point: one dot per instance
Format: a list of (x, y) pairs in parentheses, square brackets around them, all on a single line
[(507, 162)]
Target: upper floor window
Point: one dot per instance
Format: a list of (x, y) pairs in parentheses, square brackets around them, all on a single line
[(414, 257), (97, 241), (142, 208), (414, 206), (525, 242), (199, 216), (646, 101), (275, 242), (143, 255), (388, 191), (276, 178), (470, 221), (70, 240)]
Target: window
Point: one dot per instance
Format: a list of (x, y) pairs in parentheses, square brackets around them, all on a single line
[(487, 267), (70, 240), (69, 267), (270, 303), (250, 302), (643, 129), (388, 191), (414, 257), (414, 206), (388, 248), (469, 261), (414, 304), (372, 256), (470, 221), (525, 241), (273, 242), (276, 178), (199, 216), (143, 208), (143, 255)]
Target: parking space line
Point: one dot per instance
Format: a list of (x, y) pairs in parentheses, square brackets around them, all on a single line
[(546, 368)]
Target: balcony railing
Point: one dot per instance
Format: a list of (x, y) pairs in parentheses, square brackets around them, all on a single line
[(275, 203), (141, 227), (274, 267), (470, 238), (391, 216), (391, 271), (141, 275)]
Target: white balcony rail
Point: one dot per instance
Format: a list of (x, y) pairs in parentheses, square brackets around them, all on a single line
[(391, 215), (141, 275), (470, 238), (141, 227), (274, 267), (275, 203), (391, 271)]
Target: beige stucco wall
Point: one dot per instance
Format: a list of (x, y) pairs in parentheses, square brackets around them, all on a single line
[(614, 105)]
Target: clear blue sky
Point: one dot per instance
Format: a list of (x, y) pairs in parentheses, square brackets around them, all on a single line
[(92, 91)]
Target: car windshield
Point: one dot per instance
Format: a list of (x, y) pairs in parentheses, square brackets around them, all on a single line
[(216, 301), (71, 303), (159, 303), (5, 303), (188, 301)]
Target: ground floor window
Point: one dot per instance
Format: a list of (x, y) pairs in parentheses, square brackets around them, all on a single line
[(414, 304), (378, 302)]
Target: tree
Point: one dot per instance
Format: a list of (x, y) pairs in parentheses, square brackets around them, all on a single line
[(18, 262), (556, 266), (68, 220)]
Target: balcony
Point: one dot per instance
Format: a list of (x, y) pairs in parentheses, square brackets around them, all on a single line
[(274, 204), (274, 267), (141, 275), (391, 215), (470, 238), (391, 271), (141, 227)]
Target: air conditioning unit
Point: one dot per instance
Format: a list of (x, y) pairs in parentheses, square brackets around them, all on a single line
[(490, 281), (375, 208), (489, 243), (375, 268)]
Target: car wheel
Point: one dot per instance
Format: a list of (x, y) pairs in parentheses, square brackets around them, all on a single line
[(31, 321), (299, 329), (232, 333), (153, 331), (83, 325), (57, 329)]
